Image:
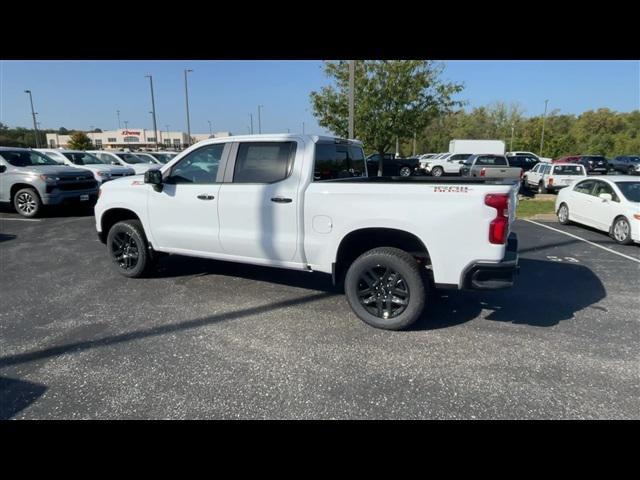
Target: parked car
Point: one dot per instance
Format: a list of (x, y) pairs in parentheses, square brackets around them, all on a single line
[(393, 167), (30, 179), (594, 163), (255, 199), (125, 159), (102, 172), (528, 154), (147, 156), (610, 204), (626, 164), (490, 166), (525, 162), (447, 164), (163, 157), (546, 177)]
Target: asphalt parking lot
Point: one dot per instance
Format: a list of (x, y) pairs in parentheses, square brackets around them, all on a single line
[(213, 340)]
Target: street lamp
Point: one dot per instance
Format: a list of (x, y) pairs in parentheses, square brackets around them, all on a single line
[(118, 113), (186, 96), (126, 124), (352, 74), (543, 121), (303, 128), (512, 130), (259, 119), (33, 114), (153, 108), (210, 131), (91, 127), (251, 120)]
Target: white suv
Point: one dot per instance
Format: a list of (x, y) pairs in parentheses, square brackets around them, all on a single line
[(547, 177), (125, 159), (102, 172)]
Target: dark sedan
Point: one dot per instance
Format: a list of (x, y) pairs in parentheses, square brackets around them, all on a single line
[(594, 163), (393, 167)]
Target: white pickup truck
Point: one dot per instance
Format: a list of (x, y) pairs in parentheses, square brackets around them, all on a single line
[(305, 202)]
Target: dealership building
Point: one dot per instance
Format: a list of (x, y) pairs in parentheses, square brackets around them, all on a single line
[(134, 139)]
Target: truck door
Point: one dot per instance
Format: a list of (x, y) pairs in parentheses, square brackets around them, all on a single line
[(184, 215), (259, 201)]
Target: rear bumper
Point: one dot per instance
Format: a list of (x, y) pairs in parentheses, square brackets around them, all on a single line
[(491, 276)]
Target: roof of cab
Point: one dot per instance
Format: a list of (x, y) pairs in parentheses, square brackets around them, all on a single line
[(282, 136)]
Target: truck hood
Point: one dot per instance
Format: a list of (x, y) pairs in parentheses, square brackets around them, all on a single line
[(106, 168), (61, 170)]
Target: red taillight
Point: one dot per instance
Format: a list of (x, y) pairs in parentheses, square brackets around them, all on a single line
[(483, 172), (499, 226), (550, 180)]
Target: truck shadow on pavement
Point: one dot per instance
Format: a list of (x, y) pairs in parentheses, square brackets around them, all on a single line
[(17, 395), (178, 266), (544, 294)]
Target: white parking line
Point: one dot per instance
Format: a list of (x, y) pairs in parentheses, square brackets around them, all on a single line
[(20, 219), (583, 239)]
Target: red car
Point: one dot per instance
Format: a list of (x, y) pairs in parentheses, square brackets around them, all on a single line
[(567, 159)]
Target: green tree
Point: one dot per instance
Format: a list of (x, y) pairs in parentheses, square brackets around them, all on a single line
[(80, 141), (393, 99)]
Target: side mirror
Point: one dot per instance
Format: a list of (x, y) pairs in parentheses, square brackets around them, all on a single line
[(606, 197), (154, 177), (3, 168)]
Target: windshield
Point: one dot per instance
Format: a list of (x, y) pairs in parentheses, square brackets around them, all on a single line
[(568, 170), (630, 190), (26, 158), (83, 158), (338, 161), (131, 158), (164, 157)]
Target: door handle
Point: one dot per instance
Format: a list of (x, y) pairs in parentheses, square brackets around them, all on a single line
[(281, 200), (204, 196)]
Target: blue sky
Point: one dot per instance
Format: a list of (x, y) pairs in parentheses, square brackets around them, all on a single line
[(80, 94)]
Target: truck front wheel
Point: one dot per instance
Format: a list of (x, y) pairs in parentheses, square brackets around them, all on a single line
[(385, 289), (128, 248)]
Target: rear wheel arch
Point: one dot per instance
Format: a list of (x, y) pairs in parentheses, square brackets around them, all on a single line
[(357, 242)]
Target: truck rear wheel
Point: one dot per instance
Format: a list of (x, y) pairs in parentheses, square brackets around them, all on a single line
[(385, 289), (128, 248)]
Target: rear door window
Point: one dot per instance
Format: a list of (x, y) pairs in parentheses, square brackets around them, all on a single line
[(263, 162), (585, 187)]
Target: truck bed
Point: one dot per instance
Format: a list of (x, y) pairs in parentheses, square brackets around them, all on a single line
[(429, 180)]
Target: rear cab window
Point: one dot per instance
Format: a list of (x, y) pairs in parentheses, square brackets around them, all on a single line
[(491, 160), (568, 170), (335, 161)]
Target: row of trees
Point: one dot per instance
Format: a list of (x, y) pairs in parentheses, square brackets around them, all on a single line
[(597, 132), (399, 99), (25, 137)]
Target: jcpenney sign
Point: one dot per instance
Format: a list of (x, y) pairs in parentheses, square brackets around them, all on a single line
[(130, 132)]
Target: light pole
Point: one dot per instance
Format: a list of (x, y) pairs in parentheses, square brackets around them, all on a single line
[(91, 127), (511, 145), (543, 120), (352, 82), (303, 128), (251, 120), (33, 114), (126, 124), (153, 108), (186, 96), (259, 119), (168, 136), (414, 144), (210, 131), (118, 113)]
